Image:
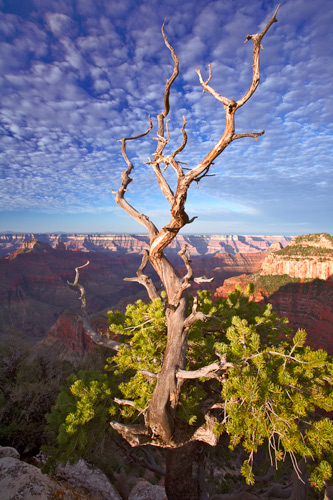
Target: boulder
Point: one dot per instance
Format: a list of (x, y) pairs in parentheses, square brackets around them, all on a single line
[(19, 480), (83, 479), (22, 481), (146, 491), (8, 451)]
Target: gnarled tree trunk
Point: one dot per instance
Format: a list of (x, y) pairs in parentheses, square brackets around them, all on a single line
[(162, 428)]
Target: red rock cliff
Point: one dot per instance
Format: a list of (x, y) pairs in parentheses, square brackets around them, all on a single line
[(309, 256), (298, 282)]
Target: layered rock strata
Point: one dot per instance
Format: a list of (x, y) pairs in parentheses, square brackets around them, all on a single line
[(127, 244), (298, 281), (309, 256)]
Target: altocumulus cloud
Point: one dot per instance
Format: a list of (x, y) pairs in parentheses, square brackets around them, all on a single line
[(78, 76)]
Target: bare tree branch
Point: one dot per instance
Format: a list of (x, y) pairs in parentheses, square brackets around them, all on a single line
[(182, 146), (126, 180), (205, 371), (124, 402), (148, 374), (187, 278), (255, 135), (139, 435), (164, 186), (143, 279), (149, 463), (230, 107), (194, 316), (88, 328), (202, 279), (224, 100), (256, 66)]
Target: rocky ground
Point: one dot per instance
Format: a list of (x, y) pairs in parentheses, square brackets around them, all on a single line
[(23, 481)]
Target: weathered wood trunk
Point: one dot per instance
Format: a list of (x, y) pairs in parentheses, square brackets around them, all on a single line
[(161, 411), (185, 472)]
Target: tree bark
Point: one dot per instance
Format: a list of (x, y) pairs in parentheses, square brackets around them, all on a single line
[(185, 472)]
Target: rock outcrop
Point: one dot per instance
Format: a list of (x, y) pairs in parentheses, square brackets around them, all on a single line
[(23, 481), (306, 257), (298, 282), (87, 481), (146, 491)]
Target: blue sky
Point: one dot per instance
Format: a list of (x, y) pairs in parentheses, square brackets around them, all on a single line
[(78, 75)]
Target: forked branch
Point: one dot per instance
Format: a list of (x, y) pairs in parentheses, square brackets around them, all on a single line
[(88, 328), (143, 279), (256, 66), (126, 180)]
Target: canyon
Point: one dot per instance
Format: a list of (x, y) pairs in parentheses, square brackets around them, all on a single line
[(309, 256), (126, 244), (38, 305)]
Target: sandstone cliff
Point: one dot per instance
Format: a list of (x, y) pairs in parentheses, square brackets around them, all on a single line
[(298, 282), (309, 256)]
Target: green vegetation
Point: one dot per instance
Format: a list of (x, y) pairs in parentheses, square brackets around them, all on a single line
[(271, 283), (305, 251), (307, 246), (313, 238), (265, 396)]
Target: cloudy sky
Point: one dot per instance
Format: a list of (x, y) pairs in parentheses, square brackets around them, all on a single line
[(78, 75)]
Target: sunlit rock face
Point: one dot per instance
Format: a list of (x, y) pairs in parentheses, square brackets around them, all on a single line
[(305, 257), (307, 301)]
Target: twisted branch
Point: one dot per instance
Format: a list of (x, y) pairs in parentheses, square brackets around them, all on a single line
[(143, 279), (126, 180), (256, 66), (88, 328)]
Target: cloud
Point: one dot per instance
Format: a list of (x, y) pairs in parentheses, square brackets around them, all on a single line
[(78, 76)]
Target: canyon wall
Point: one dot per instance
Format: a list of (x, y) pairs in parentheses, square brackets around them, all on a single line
[(135, 243), (37, 302), (306, 257), (298, 281), (34, 290)]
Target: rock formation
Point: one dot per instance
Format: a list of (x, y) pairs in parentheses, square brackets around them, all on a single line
[(20, 480), (309, 256), (298, 282), (146, 491), (128, 244)]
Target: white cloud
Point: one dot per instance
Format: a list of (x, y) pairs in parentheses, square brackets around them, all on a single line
[(73, 85)]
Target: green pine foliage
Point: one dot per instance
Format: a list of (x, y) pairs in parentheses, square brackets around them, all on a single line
[(79, 421), (269, 394)]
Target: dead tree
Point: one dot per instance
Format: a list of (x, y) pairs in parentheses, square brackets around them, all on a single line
[(161, 425), (160, 421)]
